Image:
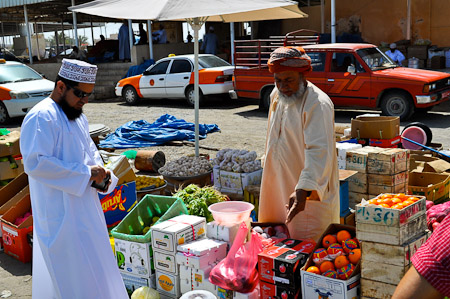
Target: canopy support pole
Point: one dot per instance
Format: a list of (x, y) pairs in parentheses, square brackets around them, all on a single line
[(37, 40), (196, 24), (3, 37), (408, 20), (322, 16), (92, 32), (30, 54), (150, 39), (333, 21), (63, 36), (130, 35), (75, 28), (232, 41)]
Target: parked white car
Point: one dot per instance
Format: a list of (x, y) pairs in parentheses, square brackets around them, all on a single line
[(173, 78), (21, 88)]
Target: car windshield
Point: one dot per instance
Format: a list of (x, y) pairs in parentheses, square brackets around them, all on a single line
[(17, 73), (211, 61), (375, 59)]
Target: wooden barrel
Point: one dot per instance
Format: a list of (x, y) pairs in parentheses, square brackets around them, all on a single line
[(149, 160)]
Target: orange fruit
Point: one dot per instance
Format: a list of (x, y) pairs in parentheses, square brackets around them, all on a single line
[(313, 269), (343, 235), (397, 206), (385, 205), (327, 241), (341, 261), (386, 196), (379, 201), (388, 201), (413, 198), (325, 266), (354, 256), (396, 200), (373, 201), (402, 196)]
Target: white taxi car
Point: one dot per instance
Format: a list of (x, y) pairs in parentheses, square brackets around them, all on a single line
[(21, 88), (173, 78)]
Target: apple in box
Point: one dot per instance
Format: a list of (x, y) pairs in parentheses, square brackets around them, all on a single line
[(281, 264)]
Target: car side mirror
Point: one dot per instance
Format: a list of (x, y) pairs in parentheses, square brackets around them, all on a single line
[(351, 69)]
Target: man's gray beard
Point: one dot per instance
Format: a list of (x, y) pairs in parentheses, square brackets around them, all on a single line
[(294, 97)]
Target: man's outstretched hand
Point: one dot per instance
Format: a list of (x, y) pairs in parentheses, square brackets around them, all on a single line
[(297, 202)]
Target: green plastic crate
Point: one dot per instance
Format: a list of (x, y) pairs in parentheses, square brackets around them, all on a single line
[(165, 207)]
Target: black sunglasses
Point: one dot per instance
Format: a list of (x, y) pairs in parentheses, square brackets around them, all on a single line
[(78, 92)]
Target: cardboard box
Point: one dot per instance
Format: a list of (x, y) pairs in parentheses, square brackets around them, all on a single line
[(383, 183), (134, 282), (434, 186), (314, 285), (269, 291), (121, 168), (118, 203), (380, 189), (14, 236), (217, 291), (9, 195), (358, 159), (165, 262), (389, 161), (438, 166), (380, 127), (10, 144), (6, 172), (202, 253), (386, 143), (375, 289), (355, 198), (166, 236), (281, 263), (318, 286), (134, 258), (225, 233), (168, 284), (233, 182), (342, 148), (194, 279), (252, 295)]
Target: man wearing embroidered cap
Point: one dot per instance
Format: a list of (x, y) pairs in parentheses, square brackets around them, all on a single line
[(72, 256), (300, 184)]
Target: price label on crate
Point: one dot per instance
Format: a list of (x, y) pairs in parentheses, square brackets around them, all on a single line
[(376, 215)]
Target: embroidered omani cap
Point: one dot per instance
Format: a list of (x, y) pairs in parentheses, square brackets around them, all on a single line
[(78, 71)]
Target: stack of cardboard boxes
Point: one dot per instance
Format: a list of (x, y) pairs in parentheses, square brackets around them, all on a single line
[(166, 237), (380, 170), (9, 148), (389, 238)]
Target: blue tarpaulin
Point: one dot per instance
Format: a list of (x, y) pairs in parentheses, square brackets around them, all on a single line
[(166, 128)]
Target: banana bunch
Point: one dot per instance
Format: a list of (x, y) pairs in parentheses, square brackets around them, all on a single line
[(147, 182)]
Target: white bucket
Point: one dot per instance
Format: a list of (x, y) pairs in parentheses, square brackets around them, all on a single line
[(413, 63)]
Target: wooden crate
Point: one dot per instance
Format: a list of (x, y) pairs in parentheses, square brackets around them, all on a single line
[(394, 235), (375, 289), (396, 255), (358, 183), (387, 179), (380, 189), (382, 272), (390, 161), (355, 198), (372, 214), (357, 159)]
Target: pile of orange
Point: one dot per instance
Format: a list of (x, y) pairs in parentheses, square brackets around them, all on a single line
[(394, 201)]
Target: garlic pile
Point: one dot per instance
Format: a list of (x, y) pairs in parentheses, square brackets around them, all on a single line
[(186, 166), (237, 160)]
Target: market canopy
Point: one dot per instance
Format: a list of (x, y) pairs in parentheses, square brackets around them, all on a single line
[(196, 13), (178, 10)]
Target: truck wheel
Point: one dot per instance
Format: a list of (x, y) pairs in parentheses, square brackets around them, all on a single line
[(264, 103), (4, 116), (130, 95), (190, 96), (397, 104)]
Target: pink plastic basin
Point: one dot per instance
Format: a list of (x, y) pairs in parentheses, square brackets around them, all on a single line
[(416, 134), (231, 212)]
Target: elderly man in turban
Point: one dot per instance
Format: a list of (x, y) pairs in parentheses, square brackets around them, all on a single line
[(72, 255), (300, 184)]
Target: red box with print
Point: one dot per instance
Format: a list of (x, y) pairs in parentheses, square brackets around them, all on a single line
[(15, 241)]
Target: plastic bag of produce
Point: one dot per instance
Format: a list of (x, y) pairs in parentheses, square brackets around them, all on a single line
[(237, 271), (145, 293)]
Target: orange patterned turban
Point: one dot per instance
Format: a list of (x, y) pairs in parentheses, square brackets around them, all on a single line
[(289, 59)]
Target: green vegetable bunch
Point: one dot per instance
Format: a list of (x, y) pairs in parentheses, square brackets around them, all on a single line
[(198, 199)]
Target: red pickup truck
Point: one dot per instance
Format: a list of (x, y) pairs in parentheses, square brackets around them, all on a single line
[(353, 75)]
